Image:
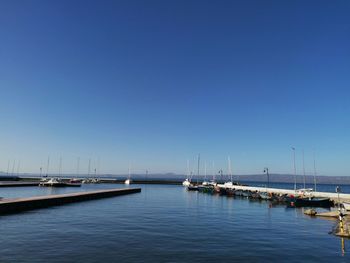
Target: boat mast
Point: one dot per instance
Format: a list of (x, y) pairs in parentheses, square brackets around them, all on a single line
[(47, 166), (78, 166), (205, 171), (60, 168), (98, 167), (188, 171), (315, 172), (304, 170), (229, 168), (213, 165), (295, 170), (19, 163), (199, 157), (129, 172), (8, 167), (88, 175), (13, 167)]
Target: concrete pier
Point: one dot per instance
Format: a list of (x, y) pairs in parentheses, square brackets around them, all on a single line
[(18, 184), (332, 196), (22, 204)]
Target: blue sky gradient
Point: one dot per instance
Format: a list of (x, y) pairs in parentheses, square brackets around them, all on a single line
[(155, 83)]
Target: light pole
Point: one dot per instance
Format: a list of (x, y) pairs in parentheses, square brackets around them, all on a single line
[(266, 170), (295, 170)]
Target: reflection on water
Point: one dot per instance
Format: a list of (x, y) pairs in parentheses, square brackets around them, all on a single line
[(343, 246)]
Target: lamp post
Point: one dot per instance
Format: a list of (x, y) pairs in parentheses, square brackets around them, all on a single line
[(266, 170)]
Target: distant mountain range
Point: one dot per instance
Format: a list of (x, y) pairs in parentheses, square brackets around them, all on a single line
[(276, 178)]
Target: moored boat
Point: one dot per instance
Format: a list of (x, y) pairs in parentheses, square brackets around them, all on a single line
[(75, 181), (230, 191), (186, 182), (265, 196), (192, 188), (53, 182), (312, 202)]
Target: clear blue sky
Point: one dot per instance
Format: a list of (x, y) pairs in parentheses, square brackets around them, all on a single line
[(156, 82)]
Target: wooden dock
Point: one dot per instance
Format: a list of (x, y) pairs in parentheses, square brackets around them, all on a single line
[(8, 206), (332, 196)]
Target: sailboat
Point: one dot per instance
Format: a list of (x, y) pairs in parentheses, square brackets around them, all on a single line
[(187, 181), (128, 180), (76, 181), (230, 183), (195, 187)]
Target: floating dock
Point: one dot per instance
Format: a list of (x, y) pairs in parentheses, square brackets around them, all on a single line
[(8, 206), (332, 196), (18, 184)]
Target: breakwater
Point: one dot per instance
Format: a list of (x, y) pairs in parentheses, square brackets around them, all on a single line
[(332, 196)]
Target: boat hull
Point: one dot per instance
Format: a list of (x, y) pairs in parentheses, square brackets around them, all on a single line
[(313, 202)]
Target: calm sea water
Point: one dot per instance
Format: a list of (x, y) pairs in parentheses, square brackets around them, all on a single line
[(164, 224)]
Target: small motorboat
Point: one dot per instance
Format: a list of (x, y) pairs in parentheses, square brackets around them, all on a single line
[(53, 182), (127, 181), (306, 192), (238, 192), (208, 189), (192, 188), (74, 182), (246, 193), (255, 195), (201, 188), (312, 202), (186, 182), (230, 191), (265, 196)]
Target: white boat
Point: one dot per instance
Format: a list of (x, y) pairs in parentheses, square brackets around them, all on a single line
[(53, 182), (305, 192), (230, 183), (186, 182), (95, 181), (86, 181), (128, 180)]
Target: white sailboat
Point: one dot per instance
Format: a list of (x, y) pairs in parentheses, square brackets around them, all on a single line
[(128, 181), (187, 181), (205, 182), (229, 183), (213, 181)]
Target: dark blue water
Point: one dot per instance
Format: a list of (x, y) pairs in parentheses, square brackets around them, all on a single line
[(165, 224)]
